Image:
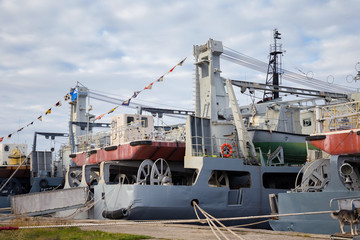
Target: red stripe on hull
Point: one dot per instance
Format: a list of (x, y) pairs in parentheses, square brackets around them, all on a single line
[(171, 151), (338, 143)]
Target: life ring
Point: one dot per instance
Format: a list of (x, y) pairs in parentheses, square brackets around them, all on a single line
[(226, 150)]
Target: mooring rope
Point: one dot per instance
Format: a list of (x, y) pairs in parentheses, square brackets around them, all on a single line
[(212, 225), (250, 224), (176, 221), (210, 219)]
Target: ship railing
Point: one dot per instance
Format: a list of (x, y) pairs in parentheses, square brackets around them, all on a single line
[(128, 134), (347, 203), (339, 117), (211, 147), (134, 132), (169, 134), (131, 132), (93, 141)]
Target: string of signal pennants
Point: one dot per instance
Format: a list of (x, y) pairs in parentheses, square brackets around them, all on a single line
[(73, 96), (67, 97), (136, 93)]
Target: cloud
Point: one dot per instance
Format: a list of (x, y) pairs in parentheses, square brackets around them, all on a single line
[(118, 47)]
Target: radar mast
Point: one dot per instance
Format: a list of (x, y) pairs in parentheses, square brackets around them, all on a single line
[(273, 76)]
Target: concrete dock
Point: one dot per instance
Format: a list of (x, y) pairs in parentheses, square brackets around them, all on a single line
[(159, 230), (200, 232)]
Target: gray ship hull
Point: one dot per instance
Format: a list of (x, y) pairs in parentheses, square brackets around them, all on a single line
[(309, 202), (300, 202), (146, 202)]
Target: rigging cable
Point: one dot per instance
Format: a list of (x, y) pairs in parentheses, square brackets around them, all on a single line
[(102, 97), (244, 60)]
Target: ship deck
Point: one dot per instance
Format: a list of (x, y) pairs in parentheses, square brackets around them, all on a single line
[(138, 150)]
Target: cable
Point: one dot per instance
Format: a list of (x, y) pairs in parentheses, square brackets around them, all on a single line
[(250, 224), (118, 101), (244, 60), (12, 175), (108, 223), (210, 220)]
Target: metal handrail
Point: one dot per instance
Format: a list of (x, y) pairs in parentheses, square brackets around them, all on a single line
[(344, 198), (211, 146), (128, 133), (340, 117)]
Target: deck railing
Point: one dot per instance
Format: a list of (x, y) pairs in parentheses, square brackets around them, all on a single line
[(129, 133), (211, 146), (338, 117)]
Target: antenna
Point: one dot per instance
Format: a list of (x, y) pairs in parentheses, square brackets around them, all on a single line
[(273, 73)]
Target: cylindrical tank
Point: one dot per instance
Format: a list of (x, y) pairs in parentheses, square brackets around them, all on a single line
[(15, 158)]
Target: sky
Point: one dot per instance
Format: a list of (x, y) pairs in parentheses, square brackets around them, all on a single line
[(118, 47)]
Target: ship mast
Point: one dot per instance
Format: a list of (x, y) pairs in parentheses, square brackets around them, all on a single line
[(273, 73)]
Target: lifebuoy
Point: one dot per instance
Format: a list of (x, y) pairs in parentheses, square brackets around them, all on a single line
[(226, 150)]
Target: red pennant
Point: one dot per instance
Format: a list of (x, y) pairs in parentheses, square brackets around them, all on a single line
[(172, 69), (149, 86), (100, 116)]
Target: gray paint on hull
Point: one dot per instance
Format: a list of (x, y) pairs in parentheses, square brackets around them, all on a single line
[(174, 202), (298, 202), (309, 202)]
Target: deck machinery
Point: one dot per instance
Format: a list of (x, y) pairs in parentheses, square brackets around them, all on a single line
[(226, 158)]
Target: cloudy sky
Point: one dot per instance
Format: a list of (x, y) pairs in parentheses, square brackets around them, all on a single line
[(117, 47)]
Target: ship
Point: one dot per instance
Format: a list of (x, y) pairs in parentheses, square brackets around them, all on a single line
[(210, 160), (226, 158), (11, 155), (23, 173), (330, 179)]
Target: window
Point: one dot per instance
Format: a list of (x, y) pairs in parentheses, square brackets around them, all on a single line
[(129, 120), (230, 179), (307, 122), (144, 122), (239, 180), (219, 179), (279, 180)]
